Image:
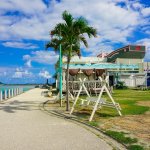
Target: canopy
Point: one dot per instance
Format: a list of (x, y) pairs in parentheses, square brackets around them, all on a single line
[(101, 66)]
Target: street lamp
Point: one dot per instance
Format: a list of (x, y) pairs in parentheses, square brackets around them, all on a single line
[(60, 73)]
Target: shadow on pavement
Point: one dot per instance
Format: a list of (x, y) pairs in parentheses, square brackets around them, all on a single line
[(16, 105)]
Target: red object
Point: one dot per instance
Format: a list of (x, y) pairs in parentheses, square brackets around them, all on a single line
[(137, 48)]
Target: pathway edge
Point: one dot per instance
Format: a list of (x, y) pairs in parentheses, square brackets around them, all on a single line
[(99, 133)]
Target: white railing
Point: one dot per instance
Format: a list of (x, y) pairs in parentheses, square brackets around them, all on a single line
[(74, 85), (9, 93)]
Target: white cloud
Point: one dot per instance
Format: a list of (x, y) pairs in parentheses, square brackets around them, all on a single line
[(26, 57), (43, 57), (21, 73), (146, 11), (20, 45), (105, 15), (28, 63), (3, 74), (27, 7), (96, 46), (146, 29), (6, 69), (44, 74), (145, 42), (137, 5), (113, 22)]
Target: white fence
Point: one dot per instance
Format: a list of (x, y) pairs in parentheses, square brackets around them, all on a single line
[(9, 93)]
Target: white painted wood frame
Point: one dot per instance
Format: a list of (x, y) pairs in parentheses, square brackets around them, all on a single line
[(99, 101), (81, 88)]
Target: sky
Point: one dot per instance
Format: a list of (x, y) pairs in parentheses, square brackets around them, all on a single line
[(25, 27)]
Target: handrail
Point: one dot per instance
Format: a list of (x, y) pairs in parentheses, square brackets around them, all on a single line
[(9, 93)]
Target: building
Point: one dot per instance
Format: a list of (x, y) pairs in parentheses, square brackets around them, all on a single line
[(124, 64), (129, 55)]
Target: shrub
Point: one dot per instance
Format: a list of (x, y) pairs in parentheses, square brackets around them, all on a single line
[(121, 85)]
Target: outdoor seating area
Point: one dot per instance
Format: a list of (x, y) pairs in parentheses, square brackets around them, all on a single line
[(98, 101), (94, 91), (92, 86)]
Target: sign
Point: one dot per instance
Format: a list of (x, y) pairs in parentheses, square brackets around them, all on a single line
[(138, 48)]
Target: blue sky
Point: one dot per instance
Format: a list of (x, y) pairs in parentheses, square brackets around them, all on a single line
[(25, 26)]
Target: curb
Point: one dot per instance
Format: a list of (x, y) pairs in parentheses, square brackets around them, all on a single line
[(100, 133)]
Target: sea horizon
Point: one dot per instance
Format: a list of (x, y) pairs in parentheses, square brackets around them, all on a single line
[(13, 86)]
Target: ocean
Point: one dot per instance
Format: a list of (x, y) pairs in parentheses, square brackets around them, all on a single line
[(25, 87)]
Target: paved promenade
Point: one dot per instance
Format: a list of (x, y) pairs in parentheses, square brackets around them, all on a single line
[(24, 127)]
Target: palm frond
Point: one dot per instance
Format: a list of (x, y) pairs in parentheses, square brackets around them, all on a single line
[(91, 31), (68, 18), (54, 43), (83, 39)]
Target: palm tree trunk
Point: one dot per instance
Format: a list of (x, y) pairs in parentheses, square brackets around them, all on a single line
[(67, 85)]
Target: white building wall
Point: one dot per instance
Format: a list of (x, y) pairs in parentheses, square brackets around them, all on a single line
[(128, 61), (133, 80), (127, 80), (140, 80)]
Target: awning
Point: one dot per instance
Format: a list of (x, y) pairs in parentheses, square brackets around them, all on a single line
[(101, 66)]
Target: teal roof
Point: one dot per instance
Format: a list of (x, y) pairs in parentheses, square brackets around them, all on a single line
[(101, 66)]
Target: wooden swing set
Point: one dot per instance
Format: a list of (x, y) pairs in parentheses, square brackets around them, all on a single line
[(99, 102)]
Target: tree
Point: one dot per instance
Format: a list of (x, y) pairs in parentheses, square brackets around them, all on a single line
[(70, 34)]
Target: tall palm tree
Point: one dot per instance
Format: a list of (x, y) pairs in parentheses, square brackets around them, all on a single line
[(55, 43), (72, 33)]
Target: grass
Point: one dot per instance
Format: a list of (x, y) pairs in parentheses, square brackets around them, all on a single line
[(135, 147), (120, 136), (93, 123), (128, 101)]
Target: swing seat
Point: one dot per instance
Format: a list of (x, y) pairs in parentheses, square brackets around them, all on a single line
[(111, 105), (91, 99), (94, 99), (103, 102)]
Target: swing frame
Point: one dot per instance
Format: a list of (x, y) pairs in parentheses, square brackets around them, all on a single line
[(99, 102)]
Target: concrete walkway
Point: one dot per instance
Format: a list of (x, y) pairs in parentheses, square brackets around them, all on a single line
[(24, 127)]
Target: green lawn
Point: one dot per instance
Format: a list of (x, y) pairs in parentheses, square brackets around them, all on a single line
[(127, 99), (124, 139)]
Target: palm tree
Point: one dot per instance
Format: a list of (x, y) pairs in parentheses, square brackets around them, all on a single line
[(72, 33), (55, 43)]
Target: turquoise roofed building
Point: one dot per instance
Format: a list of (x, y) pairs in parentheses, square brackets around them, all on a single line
[(124, 64)]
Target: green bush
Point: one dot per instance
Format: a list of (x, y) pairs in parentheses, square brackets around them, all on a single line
[(121, 85)]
